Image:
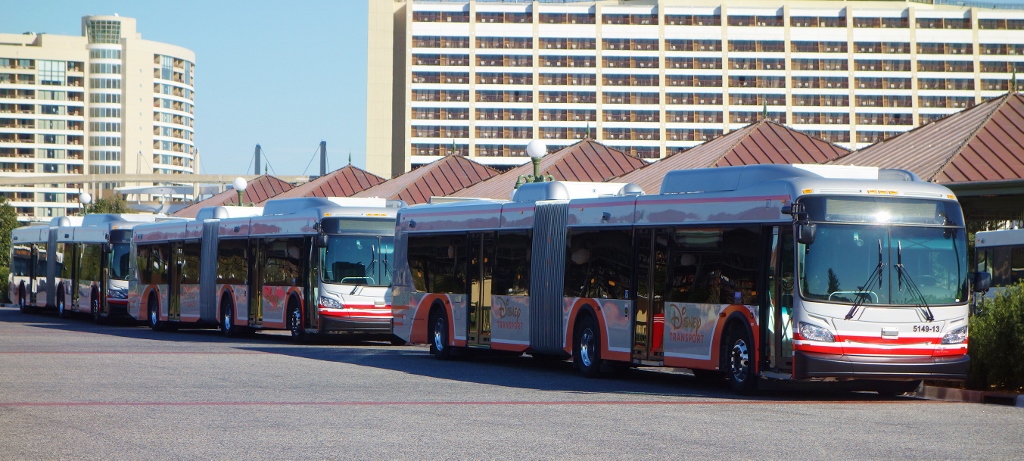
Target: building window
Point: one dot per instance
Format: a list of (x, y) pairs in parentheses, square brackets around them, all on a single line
[(102, 31), (51, 72)]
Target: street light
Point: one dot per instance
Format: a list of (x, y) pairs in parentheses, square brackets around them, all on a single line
[(85, 199), (536, 150), (240, 186)]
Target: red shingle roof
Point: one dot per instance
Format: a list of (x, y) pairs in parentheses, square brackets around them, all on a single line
[(343, 182), (763, 142), (440, 178), (982, 143), (257, 191), (587, 160)]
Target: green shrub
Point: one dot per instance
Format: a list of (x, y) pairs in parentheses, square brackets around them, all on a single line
[(996, 343), (4, 271)]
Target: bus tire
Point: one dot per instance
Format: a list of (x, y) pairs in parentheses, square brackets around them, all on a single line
[(586, 350), (227, 315), (62, 310), (295, 322), (94, 309), (154, 315), (22, 303), (739, 360), (438, 334)]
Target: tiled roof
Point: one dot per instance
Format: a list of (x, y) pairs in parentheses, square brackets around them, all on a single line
[(982, 143), (587, 160), (442, 177), (763, 142), (343, 182), (257, 191)]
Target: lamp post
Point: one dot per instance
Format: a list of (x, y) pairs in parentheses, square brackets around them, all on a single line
[(240, 185), (536, 150), (85, 199)]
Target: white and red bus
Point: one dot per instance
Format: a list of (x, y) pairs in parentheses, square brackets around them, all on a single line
[(789, 272), (78, 265), (1001, 254), (308, 265)]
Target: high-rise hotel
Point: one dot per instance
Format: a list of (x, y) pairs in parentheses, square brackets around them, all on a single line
[(107, 102), (655, 77)]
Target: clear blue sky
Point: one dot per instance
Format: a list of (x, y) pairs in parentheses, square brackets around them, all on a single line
[(283, 74)]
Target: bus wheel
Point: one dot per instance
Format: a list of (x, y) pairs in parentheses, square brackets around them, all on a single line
[(61, 307), (439, 336), (586, 352), (154, 315), (95, 308), (22, 306), (295, 322), (740, 366), (227, 325)]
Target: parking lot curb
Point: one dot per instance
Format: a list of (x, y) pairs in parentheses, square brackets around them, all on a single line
[(950, 394)]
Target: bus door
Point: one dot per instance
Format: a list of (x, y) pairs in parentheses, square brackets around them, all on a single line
[(174, 282), (33, 272), (257, 261), (480, 277), (311, 269), (649, 311), (777, 322)]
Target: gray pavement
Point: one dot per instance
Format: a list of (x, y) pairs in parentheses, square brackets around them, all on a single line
[(73, 390)]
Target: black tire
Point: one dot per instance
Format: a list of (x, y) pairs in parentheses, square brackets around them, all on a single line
[(739, 360), (154, 315), (438, 335), (295, 324), (62, 309), (227, 315), (586, 349), (94, 309), (22, 302)]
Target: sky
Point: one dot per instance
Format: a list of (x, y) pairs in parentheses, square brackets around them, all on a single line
[(285, 75)]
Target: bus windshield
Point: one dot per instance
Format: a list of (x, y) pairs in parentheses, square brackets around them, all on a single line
[(119, 257), (357, 260), (884, 265)]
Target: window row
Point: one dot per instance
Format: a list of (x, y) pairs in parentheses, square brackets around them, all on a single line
[(504, 114), (568, 43), (497, 132), (419, 113), (512, 43), (821, 118)]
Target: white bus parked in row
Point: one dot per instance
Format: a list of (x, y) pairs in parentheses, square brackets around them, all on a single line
[(74, 264), (308, 265), (789, 272)]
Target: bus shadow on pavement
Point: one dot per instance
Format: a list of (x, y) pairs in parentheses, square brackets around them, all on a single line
[(525, 372)]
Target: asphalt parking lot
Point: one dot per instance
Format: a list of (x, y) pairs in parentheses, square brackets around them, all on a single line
[(70, 389)]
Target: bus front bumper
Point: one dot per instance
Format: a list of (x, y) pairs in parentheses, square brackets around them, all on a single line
[(814, 365), (355, 325)]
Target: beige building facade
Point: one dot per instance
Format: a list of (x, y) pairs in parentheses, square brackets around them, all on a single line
[(655, 77), (107, 102)]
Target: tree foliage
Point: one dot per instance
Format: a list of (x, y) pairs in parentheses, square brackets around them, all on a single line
[(112, 204), (8, 221), (996, 344)]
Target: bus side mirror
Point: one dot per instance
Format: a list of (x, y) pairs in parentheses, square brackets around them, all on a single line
[(805, 233), (320, 241), (108, 247), (982, 281)]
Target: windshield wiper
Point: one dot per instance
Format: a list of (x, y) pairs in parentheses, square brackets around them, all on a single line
[(862, 294), (911, 286)]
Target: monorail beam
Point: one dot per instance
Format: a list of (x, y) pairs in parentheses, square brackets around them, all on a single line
[(135, 178)]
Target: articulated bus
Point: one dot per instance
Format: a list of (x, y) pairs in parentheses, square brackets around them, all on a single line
[(29, 274), (308, 265), (78, 265), (1001, 254), (785, 272)]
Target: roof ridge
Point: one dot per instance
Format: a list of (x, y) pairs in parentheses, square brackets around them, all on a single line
[(739, 139)]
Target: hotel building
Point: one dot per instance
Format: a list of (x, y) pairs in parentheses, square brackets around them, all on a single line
[(655, 77), (107, 102)]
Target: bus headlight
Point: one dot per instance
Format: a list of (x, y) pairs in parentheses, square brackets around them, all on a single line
[(957, 336), (816, 333), (330, 303)]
